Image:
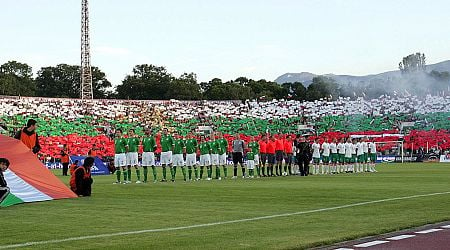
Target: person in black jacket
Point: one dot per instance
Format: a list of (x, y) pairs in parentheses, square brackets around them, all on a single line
[(303, 155), (4, 190), (81, 180)]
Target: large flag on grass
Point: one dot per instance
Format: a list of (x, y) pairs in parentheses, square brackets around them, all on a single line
[(27, 178)]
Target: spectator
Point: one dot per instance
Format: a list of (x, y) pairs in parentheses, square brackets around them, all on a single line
[(4, 190)]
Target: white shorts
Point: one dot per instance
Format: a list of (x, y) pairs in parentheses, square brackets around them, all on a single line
[(120, 160), (215, 159), (132, 159), (191, 160), (148, 159), (223, 160), (166, 158), (178, 160), (250, 164), (205, 160), (256, 160)]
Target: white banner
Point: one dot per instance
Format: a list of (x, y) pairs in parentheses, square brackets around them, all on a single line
[(445, 158)]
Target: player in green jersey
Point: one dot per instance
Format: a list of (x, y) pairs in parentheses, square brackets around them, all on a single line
[(222, 152), (132, 155), (178, 150), (254, 145), (148, 156), (205, 157), (214, 155), (120, 157), (167, 145), (191, 155)]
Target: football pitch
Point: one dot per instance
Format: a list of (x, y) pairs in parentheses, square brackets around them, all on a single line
[(269, 213)]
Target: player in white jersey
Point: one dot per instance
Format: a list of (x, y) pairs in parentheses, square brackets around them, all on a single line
[(353, 163), (341, 156), (348, 155), (326, 157), (366, 154), (316, 156), (372, 156), (334, 156), (359, 156)]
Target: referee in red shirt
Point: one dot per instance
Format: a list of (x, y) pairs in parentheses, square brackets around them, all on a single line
[(263, 154), (270, 151), (279, 154), (288, 148)]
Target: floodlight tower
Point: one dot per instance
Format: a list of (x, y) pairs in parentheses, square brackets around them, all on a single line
[(86, 71)]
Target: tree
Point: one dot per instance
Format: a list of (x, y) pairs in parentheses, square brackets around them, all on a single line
[(147, 82), (64, 81), (269, 90), (16, 79), (322, 87), (229, 91), (295, 90), (184, 88), (413, 63)]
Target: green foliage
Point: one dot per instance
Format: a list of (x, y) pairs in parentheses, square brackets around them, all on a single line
[(322, 87), (16, 79), (413, 63), (64, 81)]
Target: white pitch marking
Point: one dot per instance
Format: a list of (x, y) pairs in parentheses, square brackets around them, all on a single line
[(447, 226), (372, 243), (429, 231), (86, 237), (401, 237)]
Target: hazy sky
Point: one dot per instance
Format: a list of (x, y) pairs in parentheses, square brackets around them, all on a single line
[(228, 38)]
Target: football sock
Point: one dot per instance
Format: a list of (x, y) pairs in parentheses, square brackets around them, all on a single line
[(164, 173), (118, 173), (145, 173), (138, 174), (225, 171), (183, 169), (125, 173), (201, 171), (154, 172), (190, 173)]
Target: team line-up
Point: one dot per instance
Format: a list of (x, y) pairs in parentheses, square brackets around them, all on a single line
[(270, 156)]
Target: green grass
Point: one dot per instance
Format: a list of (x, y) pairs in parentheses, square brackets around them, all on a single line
[(122, 208)]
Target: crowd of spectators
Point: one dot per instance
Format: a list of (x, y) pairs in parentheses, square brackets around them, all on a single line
[(81, 123)]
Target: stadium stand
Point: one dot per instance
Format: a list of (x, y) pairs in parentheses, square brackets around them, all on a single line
[(79, 124)]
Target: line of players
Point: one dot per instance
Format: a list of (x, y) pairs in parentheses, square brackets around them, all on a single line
[(266, 154), (346, 156)]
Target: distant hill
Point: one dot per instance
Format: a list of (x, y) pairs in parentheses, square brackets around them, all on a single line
[(390, 76)]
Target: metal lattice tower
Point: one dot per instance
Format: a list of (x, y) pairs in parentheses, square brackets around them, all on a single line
[(86, 71)]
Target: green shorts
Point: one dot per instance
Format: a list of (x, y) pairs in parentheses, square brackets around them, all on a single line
[(316, 160), (353, 158), (334, 157), (360, 158), (341, 158), (373, 157), (348, 159), (366, 157), (325, 159)]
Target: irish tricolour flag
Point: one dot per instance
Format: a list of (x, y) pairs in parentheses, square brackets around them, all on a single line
[(28, 179)]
